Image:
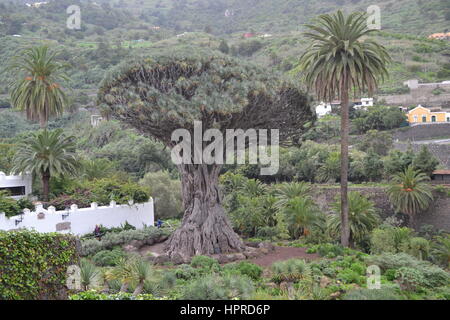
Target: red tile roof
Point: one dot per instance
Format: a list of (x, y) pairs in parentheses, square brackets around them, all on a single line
[(441, 172)]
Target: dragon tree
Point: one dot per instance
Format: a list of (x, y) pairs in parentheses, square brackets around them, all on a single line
[(161, 94)]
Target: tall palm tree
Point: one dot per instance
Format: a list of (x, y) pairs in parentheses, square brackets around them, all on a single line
[(338, 60), (46, 154), (410, 193), (37, 88)]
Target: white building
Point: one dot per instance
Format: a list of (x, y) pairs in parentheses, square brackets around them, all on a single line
[(18, 186), (363, 103), (80, 221), (323, 109)]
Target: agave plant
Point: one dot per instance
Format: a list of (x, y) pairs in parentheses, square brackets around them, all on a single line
[(88, 275), (410, 193), (362, 217), (141, 272), (291, 270)]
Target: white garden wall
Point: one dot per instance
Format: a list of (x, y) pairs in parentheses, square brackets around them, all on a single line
[(81, 221)]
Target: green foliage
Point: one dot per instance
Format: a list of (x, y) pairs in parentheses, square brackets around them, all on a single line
[(441, 250), (93, 295), (111, 240), (166, 192), (214, 287), (291, 270), (328, 250), (245, 268), (8, 205), (108, 258), (385, 293), (34, 265), (37, 89), (425, 161), (362, 217), (204, 262), (390, 239), (409, 192), (410, 279), (186, 272)]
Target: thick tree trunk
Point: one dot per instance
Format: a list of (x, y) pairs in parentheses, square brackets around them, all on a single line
[(45, 185), (345, 124), (205, 229)]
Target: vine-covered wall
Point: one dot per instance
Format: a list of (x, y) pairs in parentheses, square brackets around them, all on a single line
[(34, 265)]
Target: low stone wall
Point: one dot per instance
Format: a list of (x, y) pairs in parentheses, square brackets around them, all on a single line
[(438, 215), (422, 132)]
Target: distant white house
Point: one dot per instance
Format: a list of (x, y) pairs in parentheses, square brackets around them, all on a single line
[(35, 4), (363, 103), (325, 108), (18, 186)]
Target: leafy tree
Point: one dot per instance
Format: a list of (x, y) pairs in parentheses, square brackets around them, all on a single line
[(363, 217), (46, 154), (165, 93), (409, 192), (425, 161), (166, 193), (373, 166), (379, 142), (223, 47), (37, 90), (337, 61)]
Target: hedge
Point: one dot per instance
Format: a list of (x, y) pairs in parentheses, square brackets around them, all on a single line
[(33, 265)]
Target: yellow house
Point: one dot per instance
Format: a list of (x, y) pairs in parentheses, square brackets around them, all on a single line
[(424, 115)]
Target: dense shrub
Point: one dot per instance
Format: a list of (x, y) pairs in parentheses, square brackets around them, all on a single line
[(433, 274), (203, 262), (385, 293), (186, 272), (8, 205), (108, 258), (214, 287), (410, 279), (328, 250), (34, 265), (245, 268), (110, 240), (93, 295)]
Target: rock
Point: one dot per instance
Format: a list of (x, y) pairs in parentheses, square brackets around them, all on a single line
[(251, 253), (324, 282), (129, 248), (263, 251), (149, 241), (267, 245), (176, 258), (222, 258), (230, 257), (239, 256), (272, 285), (161, 259), (137, 243), (252, 244)]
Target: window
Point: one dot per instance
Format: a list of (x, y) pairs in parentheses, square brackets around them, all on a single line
[(433, 119), (448, 119), (416, 118), (15, 191), (424, 118)]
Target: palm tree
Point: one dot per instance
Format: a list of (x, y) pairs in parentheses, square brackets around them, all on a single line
[(46, 154), (362, 217), (37, 89), (339, 60), (301, 213), (441, 250), (410, 193), (289, 190)]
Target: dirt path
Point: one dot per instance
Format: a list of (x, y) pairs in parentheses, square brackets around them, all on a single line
[(284, 253), (280, 254)]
